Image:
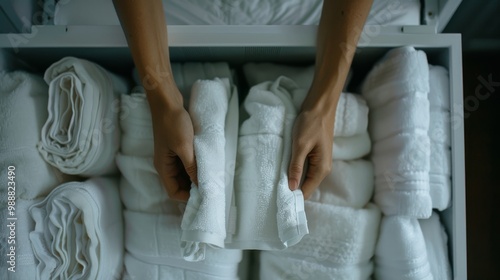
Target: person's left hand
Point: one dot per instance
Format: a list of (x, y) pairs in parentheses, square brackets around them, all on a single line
[(312, 140)]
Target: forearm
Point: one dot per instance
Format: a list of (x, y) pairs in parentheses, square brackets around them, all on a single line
[(145, 28), (338, 34)]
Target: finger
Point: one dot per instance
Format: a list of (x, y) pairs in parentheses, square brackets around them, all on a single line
[(317, 171), (174, 179), (296, 167), (186, 155)]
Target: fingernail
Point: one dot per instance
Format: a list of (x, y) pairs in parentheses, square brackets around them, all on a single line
[(292, 184)]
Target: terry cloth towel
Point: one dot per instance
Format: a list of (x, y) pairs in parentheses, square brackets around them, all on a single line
[(270, 215), (349, 184), (340, 245), (81, 135), (23, 111), (136, 126), (436, 242), (79, 231), (17, 235), (204, 220), (396, 91), (401, 252), (154, 253), (440, 136)]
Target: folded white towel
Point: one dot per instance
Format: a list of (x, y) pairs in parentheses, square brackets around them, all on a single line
[(340, 245), (79, 231), (440, 136), (270, 216), (136, 125), (349, 184), (154, 253), (204, 220), (23, 111), (24, 262), (81, 135), (436, 245), (349, 148), (401, 252)]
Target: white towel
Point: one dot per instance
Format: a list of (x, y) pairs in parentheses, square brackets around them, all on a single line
[(79, 231), (81, 135), (349, 148), (270, 215), (401, 253), (24, 262), (136, 125), (154, 253), (23, 111), (436, 242), (349, 184), (440, 136), (204, 220), (340, 245)]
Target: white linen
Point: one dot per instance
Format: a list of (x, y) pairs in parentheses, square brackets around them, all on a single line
[(401, 252), (340, 245), (199, 12), (396, 91), (23, 111), (436, 242), (350, 148), (154, 253), (136, 125), (270, 215), (78, 231), (204, 220), (81, 135)]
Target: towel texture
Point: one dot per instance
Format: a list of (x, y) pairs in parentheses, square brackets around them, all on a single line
[(436, 242), (396, 91), (270, 216), (81, 134), (23, 111), (340, 245), (401, 251), (78, 231), (440, 137)]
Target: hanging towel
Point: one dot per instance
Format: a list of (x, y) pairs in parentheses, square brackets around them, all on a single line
[(401, 253), (23, 111), (81, 134), (270, 215), (154, 253), (78, 231), (436, 242), (340, 245), (440, 136)]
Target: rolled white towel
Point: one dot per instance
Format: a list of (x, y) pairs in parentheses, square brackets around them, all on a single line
[(23, 111), (340, 245), (270, 215), (436, 242), (136, 125), (152, 244), (350, 148), (79, 231), (401, 252), (81, 135), (349, 184)]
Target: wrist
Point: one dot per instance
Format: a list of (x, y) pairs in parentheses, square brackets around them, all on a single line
[(165, 98)]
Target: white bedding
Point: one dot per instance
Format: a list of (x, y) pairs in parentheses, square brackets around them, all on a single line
[(223, 12)]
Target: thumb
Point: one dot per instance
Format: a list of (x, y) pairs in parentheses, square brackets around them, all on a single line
[(189, 162), (296, 167)]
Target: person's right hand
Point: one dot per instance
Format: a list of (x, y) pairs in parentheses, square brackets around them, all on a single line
[(173, 149)]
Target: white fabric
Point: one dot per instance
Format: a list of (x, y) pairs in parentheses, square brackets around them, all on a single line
[(200, 12), (25, 264), (440, 136), (340, 245), (204, 220), (270, 215), (436, 242), (23, 111), (79, 231), (401, 252), (396, 91), (349, 184), (349, 148), (136, 125), (81, 135), (154, 253)]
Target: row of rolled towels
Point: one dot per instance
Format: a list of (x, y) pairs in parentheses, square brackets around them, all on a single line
[(79, 229)]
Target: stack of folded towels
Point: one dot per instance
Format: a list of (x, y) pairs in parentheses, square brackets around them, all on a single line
[(409, 113), (155, 228), (343, 224)]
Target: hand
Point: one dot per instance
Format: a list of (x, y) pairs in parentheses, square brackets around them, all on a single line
[(312, 140), (174, 152)]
